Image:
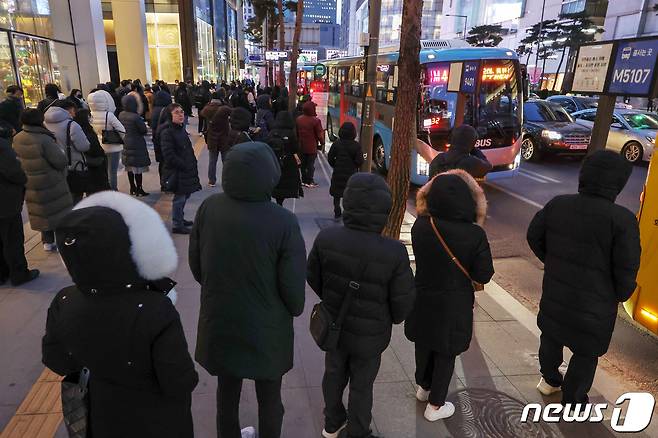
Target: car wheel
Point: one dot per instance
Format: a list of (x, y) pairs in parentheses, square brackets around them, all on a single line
[(529, 150), (632, 152), (379, 156), (330, 129)]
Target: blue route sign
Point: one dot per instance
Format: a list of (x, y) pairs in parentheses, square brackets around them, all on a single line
[(633, 71), (469, 77)]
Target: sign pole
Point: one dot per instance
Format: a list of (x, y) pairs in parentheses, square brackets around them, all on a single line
[(370, 87), (601, 128)]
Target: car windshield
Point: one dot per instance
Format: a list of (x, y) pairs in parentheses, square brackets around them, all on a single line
[(588, 103), (641, 120), (545, 112)]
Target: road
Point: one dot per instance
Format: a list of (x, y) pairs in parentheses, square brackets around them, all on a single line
[(512, 204)]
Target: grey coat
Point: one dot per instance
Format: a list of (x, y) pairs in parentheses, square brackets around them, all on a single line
[(47, 194), (57, 120), (134, 153)]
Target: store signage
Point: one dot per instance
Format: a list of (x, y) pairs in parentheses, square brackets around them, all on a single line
[(333, 53), (308, 57), (274, 55), (592, 68), (469, 78), (634, 66), (438, 75)]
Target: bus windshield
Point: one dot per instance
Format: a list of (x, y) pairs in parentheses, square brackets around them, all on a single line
[(498, 107)]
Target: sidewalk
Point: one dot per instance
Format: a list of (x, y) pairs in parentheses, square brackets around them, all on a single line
[(493, 380)]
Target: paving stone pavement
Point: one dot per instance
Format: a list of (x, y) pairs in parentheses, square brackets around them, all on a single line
[(493, 380)]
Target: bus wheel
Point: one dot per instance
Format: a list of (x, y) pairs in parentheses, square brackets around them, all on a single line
[(632, 152), (330, 129), (529, 150), (379, 156)]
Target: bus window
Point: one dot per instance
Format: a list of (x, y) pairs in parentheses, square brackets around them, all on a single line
[(499, 98), (438, 104), (384, 71), (333, 79)]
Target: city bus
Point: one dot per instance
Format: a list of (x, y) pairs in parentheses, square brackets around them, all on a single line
[(643, 305), (480, 86)]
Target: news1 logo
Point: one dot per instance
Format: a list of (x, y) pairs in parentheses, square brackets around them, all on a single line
[(637, 418)]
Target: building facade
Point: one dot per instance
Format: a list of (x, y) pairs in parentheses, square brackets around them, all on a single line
[(630, 19)]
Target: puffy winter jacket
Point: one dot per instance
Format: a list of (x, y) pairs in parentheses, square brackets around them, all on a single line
[(345, 157), (135, 153), (462, 155), (179, 158), (309, 130), (358, 252), (102, 106), (57, 120)]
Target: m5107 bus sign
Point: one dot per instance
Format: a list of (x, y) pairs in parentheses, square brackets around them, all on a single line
[(624, 67)]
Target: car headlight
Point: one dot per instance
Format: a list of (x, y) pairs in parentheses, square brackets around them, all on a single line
[(651, 139), (551, 135)]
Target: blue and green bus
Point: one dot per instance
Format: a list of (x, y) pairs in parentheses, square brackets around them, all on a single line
[(486, 87)]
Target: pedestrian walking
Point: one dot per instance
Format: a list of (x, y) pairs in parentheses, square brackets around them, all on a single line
[(217, 114), (345, 157), (95, 156), (180, 173), (281, 103), (462, 155), (12, 107), (357, 259), (240, 121), (72, 140), (299, 108), (201, 99), (135, 156), (159, 117), (52, 92), (77, 99), (251, 272), (150, 101), (284, 143), (311, 138), (13, 265), (590, 248), (118, 321), (182, 98), (47, 194), (109, 129), (452, 252), (264, 117)]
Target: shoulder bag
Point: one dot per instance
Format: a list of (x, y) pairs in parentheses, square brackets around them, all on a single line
[(477, 287), (78, 175), (110, 136), (326, 330), (75, 403)]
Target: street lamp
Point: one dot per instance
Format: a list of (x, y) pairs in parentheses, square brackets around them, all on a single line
[(465, 17)]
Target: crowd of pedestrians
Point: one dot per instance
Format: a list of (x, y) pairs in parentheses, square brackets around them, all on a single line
[(249, 256)]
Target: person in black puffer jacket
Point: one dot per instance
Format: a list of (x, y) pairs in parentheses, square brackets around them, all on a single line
[(441, 324), (180, 173), (283, 140), (264, 116), (346, 158), (118, 320), (159, 117), (357, 252), (95, 156), (135, 156), (240, 121), (462, 155), (590, 247)]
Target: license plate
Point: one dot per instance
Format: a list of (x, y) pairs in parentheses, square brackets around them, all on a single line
[(578, 146)]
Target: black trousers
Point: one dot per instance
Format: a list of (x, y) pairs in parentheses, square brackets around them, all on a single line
[(308, 168), (340, 368), (433, 373), (13, 265), (337, 209), (578, 380), (270, 407)]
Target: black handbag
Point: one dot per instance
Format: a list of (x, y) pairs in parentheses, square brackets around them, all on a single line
[(110, 136), (77, 176), (75, 403), (324, 329)]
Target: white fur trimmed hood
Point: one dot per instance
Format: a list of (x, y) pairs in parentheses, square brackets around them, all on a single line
[(151, 246), (475, 189)]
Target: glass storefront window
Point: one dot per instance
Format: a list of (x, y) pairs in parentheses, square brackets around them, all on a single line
[(44, 18), (64, 66), (29, 71), (7, 76), (205, 57), (163, 31)]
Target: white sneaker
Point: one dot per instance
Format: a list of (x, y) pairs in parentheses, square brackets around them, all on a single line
[(248, 432), (445, 411), (546, 388), (422, 394), (51, 247), (326, 434)]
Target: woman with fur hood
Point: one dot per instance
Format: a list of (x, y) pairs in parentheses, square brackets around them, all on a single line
[(121, 323), (452, 205)]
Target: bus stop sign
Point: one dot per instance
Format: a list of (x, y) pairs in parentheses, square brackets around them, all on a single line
[(320, 70), (634, 67)]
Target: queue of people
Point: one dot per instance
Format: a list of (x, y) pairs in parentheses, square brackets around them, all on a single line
[(249, 257)]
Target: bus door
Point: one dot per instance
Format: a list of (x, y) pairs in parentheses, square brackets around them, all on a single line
[(438, 106)]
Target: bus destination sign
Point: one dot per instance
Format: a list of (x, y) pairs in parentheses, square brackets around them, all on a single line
[(496, 74), (438, 75)]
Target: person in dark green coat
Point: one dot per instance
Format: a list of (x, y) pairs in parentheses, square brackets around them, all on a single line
[(248, 255)]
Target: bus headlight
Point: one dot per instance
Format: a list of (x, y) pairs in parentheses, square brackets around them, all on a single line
[(551, 135), (422, 166)]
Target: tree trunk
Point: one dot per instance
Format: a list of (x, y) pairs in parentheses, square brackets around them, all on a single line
[(559, 66), (271, 35), (292, 91), (404, 129), (282, 42)]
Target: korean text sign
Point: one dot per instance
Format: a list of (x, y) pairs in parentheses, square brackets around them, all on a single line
[(633, 69)]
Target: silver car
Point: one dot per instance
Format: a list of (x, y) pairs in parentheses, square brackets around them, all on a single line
[(632, 132)]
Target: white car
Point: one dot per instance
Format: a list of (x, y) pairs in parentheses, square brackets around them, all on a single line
[(632, 132)]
